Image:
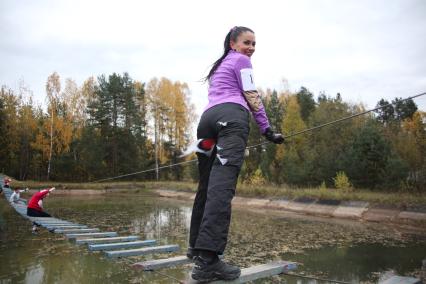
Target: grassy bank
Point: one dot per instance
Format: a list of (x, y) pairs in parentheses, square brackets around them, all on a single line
[(273, 192)]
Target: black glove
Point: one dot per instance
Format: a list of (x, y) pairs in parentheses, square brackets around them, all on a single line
[(276, 138)]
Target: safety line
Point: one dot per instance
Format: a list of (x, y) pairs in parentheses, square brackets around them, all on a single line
[(145, 171), (267, 142), (338, 120)]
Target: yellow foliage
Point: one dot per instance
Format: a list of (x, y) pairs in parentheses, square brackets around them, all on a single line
[(171, 114), (411, 143), (341, 182), (257, 178), (292, 123)]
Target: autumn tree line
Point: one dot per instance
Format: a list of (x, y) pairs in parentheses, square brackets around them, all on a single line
[(114, 125)]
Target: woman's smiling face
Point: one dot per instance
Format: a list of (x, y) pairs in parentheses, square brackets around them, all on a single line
[(245, 43)]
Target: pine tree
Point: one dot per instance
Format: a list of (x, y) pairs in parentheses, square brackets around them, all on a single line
[(306, 103)]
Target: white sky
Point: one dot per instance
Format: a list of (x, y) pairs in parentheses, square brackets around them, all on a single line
[(364, 49)]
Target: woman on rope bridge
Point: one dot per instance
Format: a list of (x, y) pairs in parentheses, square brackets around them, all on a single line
[(222, 135)]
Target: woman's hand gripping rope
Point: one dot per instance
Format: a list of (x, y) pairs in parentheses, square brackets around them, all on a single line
[(276, 138)]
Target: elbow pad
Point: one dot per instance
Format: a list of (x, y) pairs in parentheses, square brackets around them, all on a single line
[(250, 93)]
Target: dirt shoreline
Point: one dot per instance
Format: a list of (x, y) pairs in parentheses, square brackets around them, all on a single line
[(354, 210)]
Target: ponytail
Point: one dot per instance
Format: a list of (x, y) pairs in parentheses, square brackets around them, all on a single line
[(231, 36)]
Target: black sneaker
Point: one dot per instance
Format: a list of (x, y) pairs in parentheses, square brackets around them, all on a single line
[(204, 271)]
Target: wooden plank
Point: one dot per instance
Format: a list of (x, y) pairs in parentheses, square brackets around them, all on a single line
[(66, 227), (94, 247), (106, 240), (56, 224), (162, 263), (44, 219), (53, 223), (89, 235), (257, 272), (75, 231), (50, 221), (142, 251), (20, 208)]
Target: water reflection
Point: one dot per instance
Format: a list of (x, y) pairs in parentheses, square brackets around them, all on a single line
[(162, 223), (35, 275), (347, 251)]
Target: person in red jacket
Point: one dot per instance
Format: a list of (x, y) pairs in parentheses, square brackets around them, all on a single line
[(35, 205)]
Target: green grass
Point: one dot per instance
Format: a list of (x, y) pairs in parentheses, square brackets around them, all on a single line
[(264, 191)]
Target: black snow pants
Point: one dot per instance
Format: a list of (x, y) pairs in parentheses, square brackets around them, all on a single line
[(228, 124)]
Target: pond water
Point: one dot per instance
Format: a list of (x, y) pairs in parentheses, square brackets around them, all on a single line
[(349, 251)]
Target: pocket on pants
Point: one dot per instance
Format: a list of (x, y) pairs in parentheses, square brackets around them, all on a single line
[(232, 142)]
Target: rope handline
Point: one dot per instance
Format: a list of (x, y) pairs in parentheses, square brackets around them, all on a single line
[(338, 120), (267, 142), (145, 171)]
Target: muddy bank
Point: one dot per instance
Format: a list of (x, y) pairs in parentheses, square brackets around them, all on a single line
[(355, 210)]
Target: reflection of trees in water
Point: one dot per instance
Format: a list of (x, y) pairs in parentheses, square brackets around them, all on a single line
[(163, 223)]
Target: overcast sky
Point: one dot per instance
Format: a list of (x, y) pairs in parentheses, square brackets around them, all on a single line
[(364, 49)]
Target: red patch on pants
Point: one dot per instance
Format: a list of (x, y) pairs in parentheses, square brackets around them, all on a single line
[(207, 144)]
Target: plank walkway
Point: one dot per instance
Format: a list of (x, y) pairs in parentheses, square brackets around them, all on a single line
[(54, 227), (115, 246), (257, 272), (94, 247), (142, 251), (161, 263), (74, 231), (87, 235), (106, 240), (155, 264)]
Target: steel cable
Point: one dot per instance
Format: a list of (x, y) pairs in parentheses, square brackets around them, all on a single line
[(267, 142)]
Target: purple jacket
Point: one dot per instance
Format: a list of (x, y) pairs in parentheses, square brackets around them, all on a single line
[(226, 86)]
